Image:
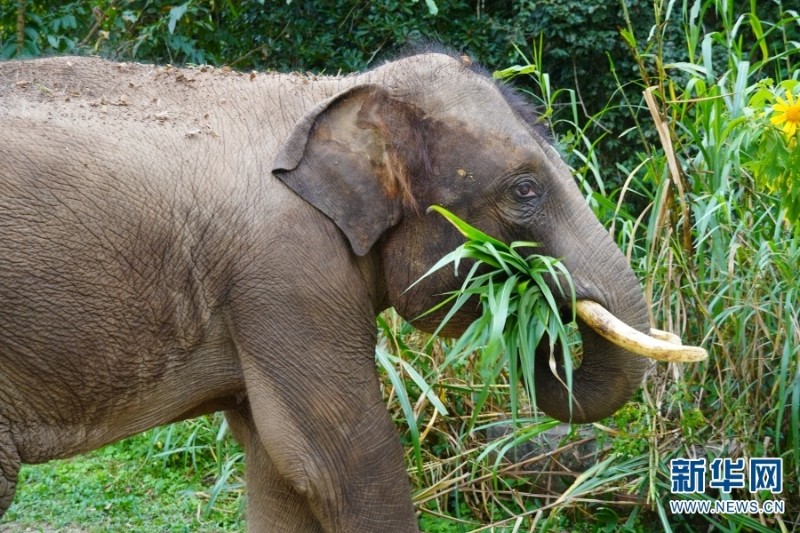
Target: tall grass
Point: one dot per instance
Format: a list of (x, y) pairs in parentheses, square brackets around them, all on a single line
[(722, 257)]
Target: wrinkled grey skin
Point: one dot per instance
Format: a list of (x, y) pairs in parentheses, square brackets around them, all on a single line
[(177, 242)]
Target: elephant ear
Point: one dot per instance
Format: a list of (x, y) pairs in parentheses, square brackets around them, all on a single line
[(345, 157)]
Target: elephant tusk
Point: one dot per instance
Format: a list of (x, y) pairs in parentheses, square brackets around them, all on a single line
[(665, 336), (661, 346)]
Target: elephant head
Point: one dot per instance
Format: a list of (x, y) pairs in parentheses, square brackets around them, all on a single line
[(431, 129)]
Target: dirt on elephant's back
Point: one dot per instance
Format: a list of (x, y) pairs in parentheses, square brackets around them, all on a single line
[(106, 96)]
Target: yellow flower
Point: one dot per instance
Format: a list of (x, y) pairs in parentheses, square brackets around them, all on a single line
[(788, 114)]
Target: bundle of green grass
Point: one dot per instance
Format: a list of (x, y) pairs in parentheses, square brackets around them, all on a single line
[(519, 310)]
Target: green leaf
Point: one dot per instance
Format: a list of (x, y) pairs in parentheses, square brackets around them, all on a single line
[(466, 230), (433, 9), (175, 14), (386, 361), (758, 31)]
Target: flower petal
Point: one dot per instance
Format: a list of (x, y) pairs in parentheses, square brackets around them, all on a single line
[(778, 119)]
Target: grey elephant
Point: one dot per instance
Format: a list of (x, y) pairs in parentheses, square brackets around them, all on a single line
[(175, 242)]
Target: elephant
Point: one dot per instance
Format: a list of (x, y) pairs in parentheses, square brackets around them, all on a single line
[(182, 241)]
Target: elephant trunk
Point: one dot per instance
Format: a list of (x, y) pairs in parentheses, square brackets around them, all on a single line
[(608, 375)]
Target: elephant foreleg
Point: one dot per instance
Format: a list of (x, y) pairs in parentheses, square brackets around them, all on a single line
[(273, 505), (307, 354), (327, 434)]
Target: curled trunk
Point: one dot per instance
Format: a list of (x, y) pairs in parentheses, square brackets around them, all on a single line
[(606, 379), (608, 375)]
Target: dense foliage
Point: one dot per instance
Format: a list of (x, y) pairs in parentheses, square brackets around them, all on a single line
[(341, 35), (676, 116)]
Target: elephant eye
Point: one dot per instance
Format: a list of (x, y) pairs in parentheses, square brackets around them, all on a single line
[(525, 190)]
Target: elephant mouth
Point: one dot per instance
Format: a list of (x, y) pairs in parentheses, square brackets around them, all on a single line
[(659, 345)]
